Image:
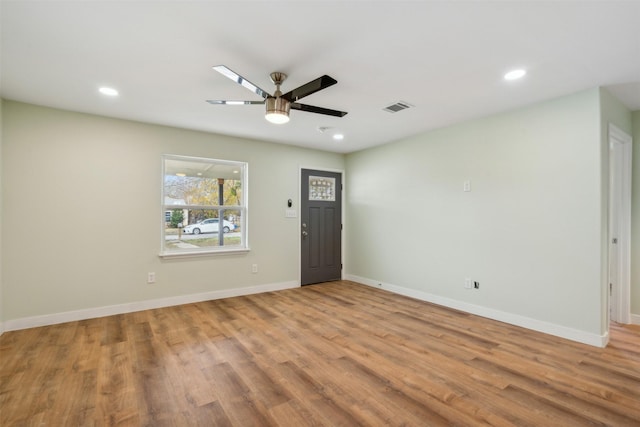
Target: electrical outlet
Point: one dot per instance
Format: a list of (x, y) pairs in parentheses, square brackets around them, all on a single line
[(467, 283), (476, 285), (254, 268), (151, 277)]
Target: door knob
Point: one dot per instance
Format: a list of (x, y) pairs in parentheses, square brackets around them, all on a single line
[(304, 233)]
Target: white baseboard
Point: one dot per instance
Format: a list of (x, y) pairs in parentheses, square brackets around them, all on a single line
[(635, 319), (91, 313), (512, 319)]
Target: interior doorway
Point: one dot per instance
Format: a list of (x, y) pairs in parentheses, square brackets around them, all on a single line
[(620, 175)]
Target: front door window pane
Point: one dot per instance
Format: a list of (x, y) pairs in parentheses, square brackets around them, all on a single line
[(322, 188)]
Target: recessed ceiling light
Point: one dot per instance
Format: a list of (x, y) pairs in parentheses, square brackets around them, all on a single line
[(109, 91), (338, 137), (515, 74), (181, 174)]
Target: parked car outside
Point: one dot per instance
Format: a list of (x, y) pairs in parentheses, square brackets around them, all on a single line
[(208, 226)]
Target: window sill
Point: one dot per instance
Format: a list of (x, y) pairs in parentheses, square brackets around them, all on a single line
[(194, 254)]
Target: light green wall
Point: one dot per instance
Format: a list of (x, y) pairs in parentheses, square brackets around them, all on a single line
[(79, 220), (1, 275), (613, 111), (529, 231), (81, 216), (635, 218)]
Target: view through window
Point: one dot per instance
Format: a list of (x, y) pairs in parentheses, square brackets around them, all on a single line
[(204, 205)]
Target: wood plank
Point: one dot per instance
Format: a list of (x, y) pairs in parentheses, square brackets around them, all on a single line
[(331, 354)]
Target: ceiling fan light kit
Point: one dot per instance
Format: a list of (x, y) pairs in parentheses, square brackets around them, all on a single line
[(279, 105), (277, 110)]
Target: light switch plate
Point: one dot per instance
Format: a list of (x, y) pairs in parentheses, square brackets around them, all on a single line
[(290, 213)]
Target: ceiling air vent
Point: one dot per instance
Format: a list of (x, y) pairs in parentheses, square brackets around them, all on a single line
[(398, 106)]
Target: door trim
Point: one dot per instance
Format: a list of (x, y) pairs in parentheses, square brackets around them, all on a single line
[(343, 218), (622, 301)]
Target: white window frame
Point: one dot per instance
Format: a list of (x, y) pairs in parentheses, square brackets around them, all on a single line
[(243, 208)]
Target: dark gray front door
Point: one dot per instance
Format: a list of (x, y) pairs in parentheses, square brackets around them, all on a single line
[(321, 226)]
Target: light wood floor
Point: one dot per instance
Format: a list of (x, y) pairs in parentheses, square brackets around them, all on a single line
[(335, 354)]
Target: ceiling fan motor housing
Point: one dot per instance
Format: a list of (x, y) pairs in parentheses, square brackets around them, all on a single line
[(277, 107)]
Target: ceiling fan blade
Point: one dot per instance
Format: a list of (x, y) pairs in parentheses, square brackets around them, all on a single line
[(217, 102), (319, 110), (241, 80), (309, 88)]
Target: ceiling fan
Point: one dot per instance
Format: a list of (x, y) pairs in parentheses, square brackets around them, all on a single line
[(278, 104)]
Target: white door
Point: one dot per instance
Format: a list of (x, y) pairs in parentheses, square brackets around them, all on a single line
[(619, 225), (615, 181)]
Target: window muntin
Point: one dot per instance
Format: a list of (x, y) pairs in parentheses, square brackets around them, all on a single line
[(196, 193)]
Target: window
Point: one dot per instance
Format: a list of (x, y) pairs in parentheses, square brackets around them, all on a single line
[(204, 206)]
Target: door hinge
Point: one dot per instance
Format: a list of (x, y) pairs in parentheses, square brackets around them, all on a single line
[(340, 226), (341, 266), (614, 240)]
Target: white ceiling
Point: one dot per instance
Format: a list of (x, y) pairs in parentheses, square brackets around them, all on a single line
[(447, 58)]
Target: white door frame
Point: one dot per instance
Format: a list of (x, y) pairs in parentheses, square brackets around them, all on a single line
[(620, 150)]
